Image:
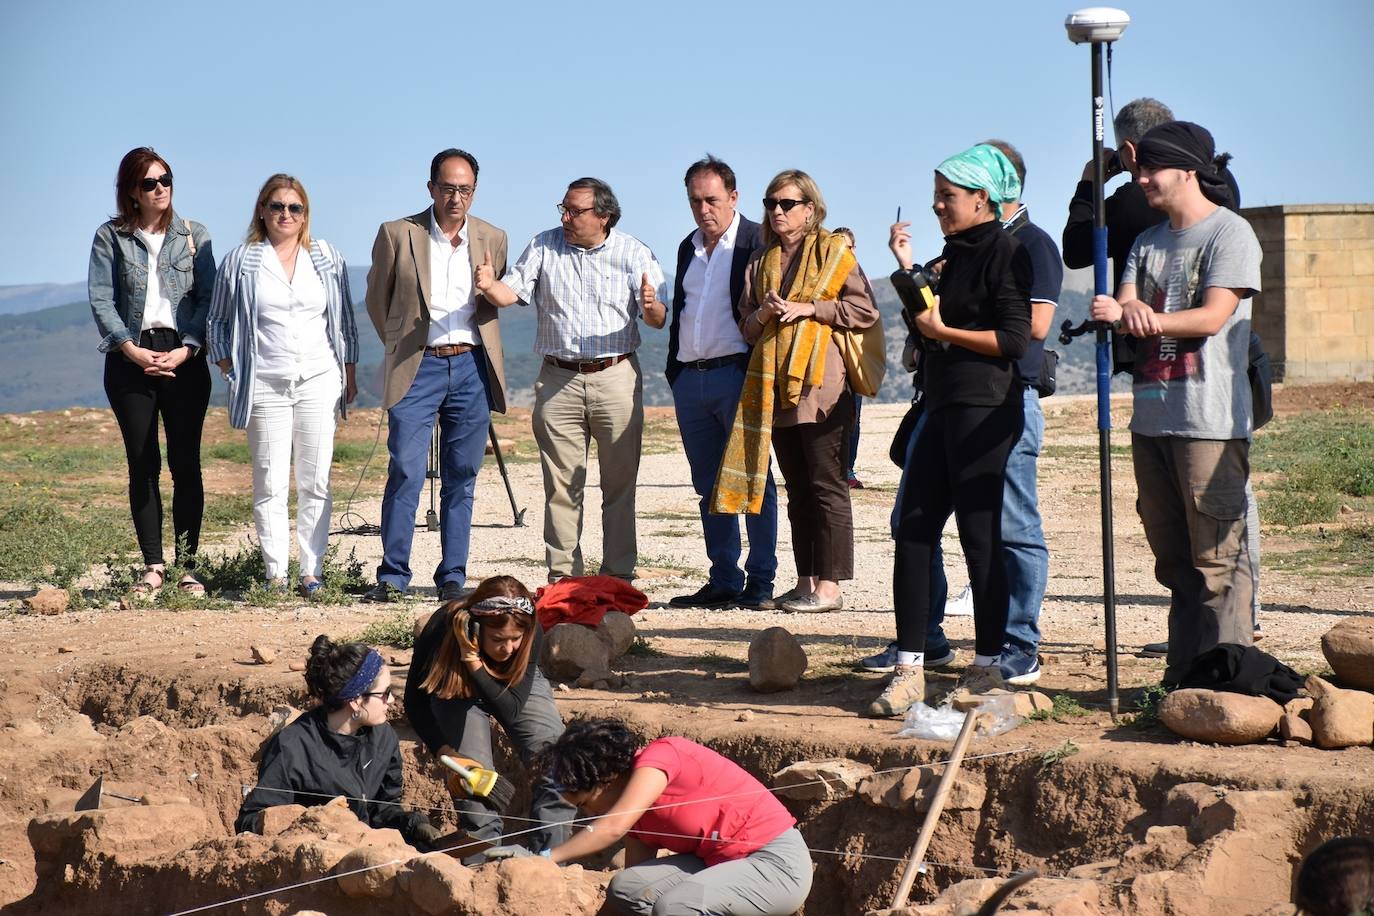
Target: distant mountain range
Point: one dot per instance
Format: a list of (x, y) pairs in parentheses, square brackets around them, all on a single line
[(48, 348)]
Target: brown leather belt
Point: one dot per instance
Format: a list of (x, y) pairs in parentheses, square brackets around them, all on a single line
[(586, 366), (449, 350)]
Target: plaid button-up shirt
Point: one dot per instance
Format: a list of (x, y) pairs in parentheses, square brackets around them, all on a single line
[(586, 299)]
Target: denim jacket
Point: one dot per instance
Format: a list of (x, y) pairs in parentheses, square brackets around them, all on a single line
[(117, 281)]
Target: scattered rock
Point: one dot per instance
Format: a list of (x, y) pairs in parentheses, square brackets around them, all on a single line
[(1022, 702), (914, 789), (1219, 718), (439, 884), (1295, 728), (1186, 801), (65, 650), (373, 871), (617, 629), (745, 716), (776, 661), (263, 655), (1298, 706), (207, 655), (571, 649), (820, 780), (1340, 718), (48, 601), (562, 687), (296, 666), (278, 818), (1349, 650), (393, 660)]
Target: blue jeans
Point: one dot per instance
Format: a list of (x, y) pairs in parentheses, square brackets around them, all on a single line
[(705, 402), (1023, 540), (454, 388)]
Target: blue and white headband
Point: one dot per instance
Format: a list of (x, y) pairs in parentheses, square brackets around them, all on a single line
[(501, 604), (362, 679)]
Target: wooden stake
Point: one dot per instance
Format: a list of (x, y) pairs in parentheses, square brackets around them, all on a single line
[(937, 804)]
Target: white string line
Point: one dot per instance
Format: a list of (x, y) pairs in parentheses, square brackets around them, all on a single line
[(513, 834)]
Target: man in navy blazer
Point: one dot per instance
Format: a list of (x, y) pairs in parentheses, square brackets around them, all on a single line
[(707, 361)]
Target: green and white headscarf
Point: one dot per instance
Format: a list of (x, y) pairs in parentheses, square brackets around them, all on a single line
[(985, 167)]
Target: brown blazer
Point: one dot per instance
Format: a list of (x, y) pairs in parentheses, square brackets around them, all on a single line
[(398, 301)]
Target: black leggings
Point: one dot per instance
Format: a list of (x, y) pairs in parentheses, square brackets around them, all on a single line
[(137, 400), (960, 463)]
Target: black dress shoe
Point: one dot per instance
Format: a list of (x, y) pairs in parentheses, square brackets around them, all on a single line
[(383, 593), (709, 596), (755, 597), (451, 591)]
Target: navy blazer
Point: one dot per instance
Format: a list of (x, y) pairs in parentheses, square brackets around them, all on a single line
[(747, 241)]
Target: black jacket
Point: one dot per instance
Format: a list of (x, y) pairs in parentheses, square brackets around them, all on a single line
[(747, 240), (308, 764), (1127, 215)]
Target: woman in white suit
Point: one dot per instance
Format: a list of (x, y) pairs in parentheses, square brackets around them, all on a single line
[(281, 330)]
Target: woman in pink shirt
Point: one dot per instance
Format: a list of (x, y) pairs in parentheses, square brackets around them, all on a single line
[(736, 848)]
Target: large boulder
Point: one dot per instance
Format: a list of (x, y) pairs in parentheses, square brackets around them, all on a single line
[(820, 780), (617, 630), (1349, 650), (370, 871), (571, 649), (439, 884), (48, 601), (1218, 717), (1340, 718), (776, 661)]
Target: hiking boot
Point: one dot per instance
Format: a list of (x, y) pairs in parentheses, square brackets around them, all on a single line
[(906, 688), (981, 679)]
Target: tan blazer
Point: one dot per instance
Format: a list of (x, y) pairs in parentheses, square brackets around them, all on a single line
[(398, 301)]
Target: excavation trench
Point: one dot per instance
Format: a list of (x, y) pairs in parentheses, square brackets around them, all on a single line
[(1135, 825)]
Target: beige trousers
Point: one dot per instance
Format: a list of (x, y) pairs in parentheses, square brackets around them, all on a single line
[(572, 409)]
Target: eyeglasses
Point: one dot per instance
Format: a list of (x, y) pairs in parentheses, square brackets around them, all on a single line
[(277, 206), (384, 694), (148, 184), (456, 190), (573, 212), (772, 203)]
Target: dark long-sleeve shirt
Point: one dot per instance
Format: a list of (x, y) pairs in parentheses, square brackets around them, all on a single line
[(504, 701), (1127, 215), (984, 286), (306, 763)]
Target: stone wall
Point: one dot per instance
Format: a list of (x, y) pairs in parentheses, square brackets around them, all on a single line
[(1316, 312)]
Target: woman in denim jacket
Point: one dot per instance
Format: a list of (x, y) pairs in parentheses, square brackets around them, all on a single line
[(150, 279), (282, 331)]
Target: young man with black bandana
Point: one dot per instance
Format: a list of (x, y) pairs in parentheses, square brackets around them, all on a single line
[(1186, 293)]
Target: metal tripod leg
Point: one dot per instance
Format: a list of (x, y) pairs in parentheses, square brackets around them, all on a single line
[(432, 473), (501, 463)]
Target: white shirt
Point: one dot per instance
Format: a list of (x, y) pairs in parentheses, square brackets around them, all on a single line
[(452, 306), (586, 299), (707, 328), (292, 334), (157, 308)]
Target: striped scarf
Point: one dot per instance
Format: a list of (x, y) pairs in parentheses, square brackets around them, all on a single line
[(787, 359)]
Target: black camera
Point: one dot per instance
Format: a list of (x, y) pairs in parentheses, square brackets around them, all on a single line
[(916, 288)]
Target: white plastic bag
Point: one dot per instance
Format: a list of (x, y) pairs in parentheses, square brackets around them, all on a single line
[(942, 723)]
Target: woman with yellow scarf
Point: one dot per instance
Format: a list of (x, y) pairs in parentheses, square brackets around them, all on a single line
[(804, 308)]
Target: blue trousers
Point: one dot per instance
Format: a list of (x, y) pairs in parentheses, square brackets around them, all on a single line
[(705, 402), (453, 388)]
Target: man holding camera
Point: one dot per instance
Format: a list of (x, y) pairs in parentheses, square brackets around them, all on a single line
[(1186, 293)]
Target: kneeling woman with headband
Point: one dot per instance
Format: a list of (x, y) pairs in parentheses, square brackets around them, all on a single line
[(475, 661), (343, 747)]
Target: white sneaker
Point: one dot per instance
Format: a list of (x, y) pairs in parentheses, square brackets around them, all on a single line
[(961, 606)]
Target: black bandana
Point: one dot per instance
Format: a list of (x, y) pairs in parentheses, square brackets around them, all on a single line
[(1185, 145)]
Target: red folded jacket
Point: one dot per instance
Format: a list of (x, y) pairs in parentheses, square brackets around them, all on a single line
[(586, 599)]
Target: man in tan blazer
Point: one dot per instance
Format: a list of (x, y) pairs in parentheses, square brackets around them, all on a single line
[(443, 358)]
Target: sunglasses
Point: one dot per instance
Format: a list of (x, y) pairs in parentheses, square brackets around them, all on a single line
[(772, 203), (148, 184), (277, 206)]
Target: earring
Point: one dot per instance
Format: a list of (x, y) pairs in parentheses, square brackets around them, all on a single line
[(357, 714)]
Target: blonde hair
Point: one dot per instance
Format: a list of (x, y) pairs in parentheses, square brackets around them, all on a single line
[(257, 232), (809, 191)]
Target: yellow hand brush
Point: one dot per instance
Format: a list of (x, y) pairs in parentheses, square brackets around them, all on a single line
[(476, 781)]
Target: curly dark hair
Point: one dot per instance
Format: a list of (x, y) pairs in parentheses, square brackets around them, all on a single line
[(1337, 878), (589, 753), (331, 665)]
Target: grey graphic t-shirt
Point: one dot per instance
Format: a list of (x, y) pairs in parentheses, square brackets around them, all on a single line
[(1195, 387)]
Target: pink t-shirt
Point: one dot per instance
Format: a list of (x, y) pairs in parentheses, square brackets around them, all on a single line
[(712, 808)]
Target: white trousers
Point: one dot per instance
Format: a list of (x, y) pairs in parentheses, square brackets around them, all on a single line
[(292, 416)]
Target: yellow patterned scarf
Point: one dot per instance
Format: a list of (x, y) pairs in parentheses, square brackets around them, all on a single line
[(787, 359)]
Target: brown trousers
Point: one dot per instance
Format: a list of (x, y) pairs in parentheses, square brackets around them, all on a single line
[(814, 459), (1192, 504)]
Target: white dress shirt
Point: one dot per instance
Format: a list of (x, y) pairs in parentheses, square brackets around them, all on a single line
[(452, 306), (707, 328), (157, 308), (292, 333)]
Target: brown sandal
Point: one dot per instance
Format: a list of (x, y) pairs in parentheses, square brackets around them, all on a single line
[(147, 587), (191, 586)]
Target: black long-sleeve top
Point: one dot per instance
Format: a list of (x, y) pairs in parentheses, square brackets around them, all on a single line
[(307, 763), (984, 286), (502, 700), (1127, 214)]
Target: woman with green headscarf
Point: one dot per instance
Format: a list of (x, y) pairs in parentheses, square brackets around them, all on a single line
[(972, 337)]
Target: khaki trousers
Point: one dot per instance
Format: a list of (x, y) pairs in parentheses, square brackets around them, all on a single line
[(1192, 504), (572, 409)]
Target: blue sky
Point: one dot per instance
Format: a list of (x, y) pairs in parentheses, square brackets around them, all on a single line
[(354, 99)]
